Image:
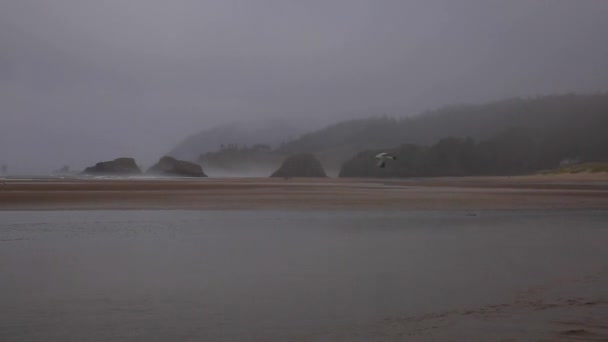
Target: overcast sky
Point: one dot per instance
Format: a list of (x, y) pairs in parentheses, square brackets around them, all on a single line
[(87, 80)]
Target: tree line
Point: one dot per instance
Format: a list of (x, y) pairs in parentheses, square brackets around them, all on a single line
[(512, 152)]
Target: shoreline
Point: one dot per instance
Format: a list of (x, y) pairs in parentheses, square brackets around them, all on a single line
[(577, 191)]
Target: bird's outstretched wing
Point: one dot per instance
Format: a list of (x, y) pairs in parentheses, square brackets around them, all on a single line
[(385, 155), (381, 164)]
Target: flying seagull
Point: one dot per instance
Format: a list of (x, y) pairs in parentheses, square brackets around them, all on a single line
[(383, 157)]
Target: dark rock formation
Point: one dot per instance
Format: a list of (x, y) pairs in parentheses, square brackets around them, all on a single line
[(300, 165), (169, 166), (119, 166)]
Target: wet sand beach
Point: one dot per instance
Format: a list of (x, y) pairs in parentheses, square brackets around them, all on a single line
[(466, 193)]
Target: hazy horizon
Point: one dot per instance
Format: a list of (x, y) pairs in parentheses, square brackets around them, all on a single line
[(83, 81)]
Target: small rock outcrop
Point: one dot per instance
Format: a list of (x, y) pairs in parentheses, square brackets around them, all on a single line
[(119, 166), (169, 166), (300, 165)]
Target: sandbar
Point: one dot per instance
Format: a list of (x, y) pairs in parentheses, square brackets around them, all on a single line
[(571, 191)]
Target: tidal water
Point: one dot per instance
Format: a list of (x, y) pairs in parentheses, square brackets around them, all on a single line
[(271, 275)]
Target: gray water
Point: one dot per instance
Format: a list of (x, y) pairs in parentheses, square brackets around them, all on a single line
[(270, 275)]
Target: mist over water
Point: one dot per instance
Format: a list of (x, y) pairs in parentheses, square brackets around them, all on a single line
[(261, 171), (249, 275)]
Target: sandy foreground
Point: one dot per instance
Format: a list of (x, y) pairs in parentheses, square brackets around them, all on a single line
[(465, 193)]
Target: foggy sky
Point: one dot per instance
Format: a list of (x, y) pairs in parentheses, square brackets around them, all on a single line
[(88, 80)]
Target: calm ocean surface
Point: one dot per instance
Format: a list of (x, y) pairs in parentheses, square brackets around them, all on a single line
[(271, 275)]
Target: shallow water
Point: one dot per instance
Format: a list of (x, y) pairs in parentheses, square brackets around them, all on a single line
[(270, 275)]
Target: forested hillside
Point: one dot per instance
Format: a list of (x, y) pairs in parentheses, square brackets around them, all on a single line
[(574, 118), (512, 152), (506, 137), (267, 132)]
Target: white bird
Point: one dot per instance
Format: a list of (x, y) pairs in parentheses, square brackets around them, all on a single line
[(383, 157)]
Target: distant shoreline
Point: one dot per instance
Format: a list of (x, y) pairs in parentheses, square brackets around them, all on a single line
[(565, 191)]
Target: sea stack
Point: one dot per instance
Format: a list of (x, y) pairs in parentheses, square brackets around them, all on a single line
[(119, 166), (169, 166)]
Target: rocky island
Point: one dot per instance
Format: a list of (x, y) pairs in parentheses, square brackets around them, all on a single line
[(119, 166), (169, 166)]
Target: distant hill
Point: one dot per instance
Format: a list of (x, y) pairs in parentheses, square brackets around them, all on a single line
[(515, 151), (556, 126), (573, 119), (270, 133), (564, 140)]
